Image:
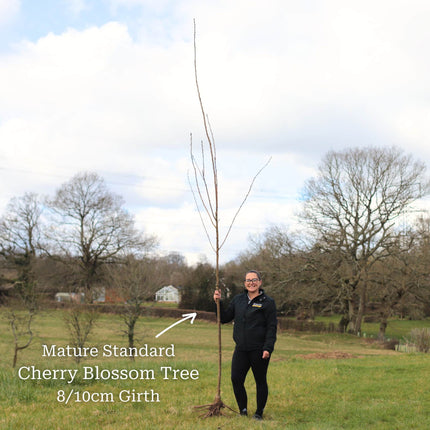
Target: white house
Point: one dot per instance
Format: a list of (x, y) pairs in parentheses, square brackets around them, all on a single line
[(168, 294), (70, 297)]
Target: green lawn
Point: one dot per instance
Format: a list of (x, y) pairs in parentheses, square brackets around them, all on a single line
[(396, 328), (367, 388)]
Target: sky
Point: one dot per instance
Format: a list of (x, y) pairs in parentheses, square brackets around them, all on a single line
[(107, 86)]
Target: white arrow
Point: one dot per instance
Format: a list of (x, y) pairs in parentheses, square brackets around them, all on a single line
[(186, 316)]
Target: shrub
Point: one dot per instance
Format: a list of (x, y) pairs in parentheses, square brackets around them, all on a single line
[(421, 338), (391, 344)]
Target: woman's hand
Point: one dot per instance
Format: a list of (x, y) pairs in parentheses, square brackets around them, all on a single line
[(217, 295), (266, 355)]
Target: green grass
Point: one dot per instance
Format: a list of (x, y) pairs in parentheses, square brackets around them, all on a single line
[(396, 328), (374, 389)]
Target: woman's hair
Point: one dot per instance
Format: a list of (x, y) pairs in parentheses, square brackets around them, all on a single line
[(255, 272)]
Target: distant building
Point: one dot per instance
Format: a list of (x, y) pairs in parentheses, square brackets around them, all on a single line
[(70, 297), (168, 294), (100, 295)]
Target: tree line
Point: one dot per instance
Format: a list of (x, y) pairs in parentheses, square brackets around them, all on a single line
[(358, 250)]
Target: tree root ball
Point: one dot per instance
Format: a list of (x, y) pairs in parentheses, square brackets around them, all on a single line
[(214, 409)]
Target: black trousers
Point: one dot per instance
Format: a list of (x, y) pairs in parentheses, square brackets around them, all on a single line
[(241, 363)]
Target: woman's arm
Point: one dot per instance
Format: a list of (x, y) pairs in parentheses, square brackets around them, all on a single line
[(271, 327), (226, 315)]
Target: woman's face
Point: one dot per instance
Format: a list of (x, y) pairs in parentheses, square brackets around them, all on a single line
[(252, 283)]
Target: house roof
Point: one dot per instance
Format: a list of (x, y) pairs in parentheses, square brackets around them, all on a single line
[(167, 289)]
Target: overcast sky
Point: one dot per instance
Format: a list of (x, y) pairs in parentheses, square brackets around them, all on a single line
[(108, 86)]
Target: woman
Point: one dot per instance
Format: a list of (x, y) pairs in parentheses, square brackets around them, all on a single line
[(254, 332)]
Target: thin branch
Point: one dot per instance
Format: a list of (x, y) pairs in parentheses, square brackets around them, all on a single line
[(209, 137), (213, 148), (200, 98), (211, 213), (200, 215), (207, 203), (244, 200)]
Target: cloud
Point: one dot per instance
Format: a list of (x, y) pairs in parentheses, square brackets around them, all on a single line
[(8, 9), (93, 93), (270, 77), (77, 6), (169, 189), (285, 79)]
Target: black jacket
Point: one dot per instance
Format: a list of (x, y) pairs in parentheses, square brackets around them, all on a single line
[(255, 322)]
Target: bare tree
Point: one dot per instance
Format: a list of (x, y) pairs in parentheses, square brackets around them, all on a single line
[(20, 324), (91, 228), (296, 272), (402, 284), (20, 226), (136, 281), (277, 251), (353, 205), (80, 323), (19, 239), (206, 195), (196, 292)]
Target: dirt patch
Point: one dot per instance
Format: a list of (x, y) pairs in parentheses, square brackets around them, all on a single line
[(328, 355)]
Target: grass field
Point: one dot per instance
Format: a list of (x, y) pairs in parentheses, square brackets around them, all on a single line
[(399, 329), (316, 382)]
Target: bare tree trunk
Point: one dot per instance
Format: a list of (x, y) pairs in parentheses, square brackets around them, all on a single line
[(17, 332), (15, 356), (343, 323), (351, 315), (361, 308), (382, 328)]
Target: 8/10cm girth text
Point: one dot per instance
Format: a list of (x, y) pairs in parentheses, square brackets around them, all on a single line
[(124, 396)]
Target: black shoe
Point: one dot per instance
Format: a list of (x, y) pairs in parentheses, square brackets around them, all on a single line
[(257, 417), (244, 412)]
